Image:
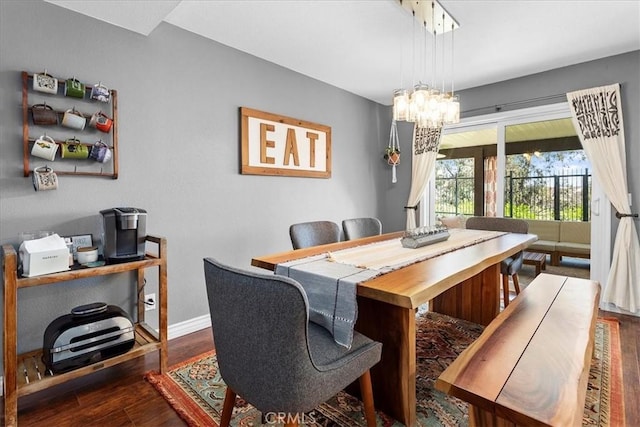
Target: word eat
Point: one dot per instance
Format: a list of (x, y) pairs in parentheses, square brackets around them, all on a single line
[(290, 147)]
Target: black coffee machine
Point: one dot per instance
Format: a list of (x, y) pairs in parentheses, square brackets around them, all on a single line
[(124, 233)]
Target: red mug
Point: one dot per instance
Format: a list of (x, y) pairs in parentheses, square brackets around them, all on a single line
[(101, 122)]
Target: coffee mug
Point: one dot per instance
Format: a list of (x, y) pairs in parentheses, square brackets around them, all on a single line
[(45, 147), (100, 152), (100, 92), (45, 83), (101, 122), (72, 148), (74, 88), (74, 119), (44, 178), (43, 115)]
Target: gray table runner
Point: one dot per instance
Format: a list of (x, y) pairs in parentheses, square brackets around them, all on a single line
[(331, 291), (330, 279)]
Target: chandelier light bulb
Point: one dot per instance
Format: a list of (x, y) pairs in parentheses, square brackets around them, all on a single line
[(453, 110), (401, 105), (420, 96)]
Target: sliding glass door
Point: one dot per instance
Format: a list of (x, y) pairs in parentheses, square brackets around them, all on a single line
[(547, 175), (526, 164)]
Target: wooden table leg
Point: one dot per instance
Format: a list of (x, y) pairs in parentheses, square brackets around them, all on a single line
[(476, 299), (394, 377)]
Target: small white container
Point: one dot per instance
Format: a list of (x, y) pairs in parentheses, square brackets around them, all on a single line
[(87, 254)]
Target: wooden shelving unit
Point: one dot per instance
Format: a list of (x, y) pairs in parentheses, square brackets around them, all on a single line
[(146, 338), (70, 167)]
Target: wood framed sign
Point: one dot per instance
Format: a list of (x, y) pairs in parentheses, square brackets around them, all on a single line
[(283, 146)]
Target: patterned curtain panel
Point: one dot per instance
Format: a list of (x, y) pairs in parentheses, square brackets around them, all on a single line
[(425, 149), (490, 185), (597, 117)]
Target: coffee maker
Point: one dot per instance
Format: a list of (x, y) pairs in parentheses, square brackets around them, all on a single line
[(123, 234)]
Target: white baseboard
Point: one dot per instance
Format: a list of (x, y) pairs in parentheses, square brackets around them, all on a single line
[(189, 326)]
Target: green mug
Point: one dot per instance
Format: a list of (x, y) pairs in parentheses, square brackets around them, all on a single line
[(72, 148), (74, 88)]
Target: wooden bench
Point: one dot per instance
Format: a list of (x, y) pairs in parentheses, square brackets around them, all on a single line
[(531, 364)]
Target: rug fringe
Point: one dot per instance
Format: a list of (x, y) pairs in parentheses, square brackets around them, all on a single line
[(160, 383)]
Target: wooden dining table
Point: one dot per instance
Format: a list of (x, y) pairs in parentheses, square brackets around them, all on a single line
[(464, 283)]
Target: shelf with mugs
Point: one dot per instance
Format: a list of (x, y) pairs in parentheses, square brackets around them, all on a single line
[(46, 147), (44, 114), (53, 110)]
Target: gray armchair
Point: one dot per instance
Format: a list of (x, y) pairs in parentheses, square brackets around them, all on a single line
[(510, 266), (355, 228), (270, 354), (314, 233)]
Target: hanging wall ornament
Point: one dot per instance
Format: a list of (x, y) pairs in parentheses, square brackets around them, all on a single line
[(392, 153)]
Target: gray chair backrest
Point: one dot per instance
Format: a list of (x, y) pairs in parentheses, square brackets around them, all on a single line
[(355, 228), (498, 224), (306, 234), (260, 332)]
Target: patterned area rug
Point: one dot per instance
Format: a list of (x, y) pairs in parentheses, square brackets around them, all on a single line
[(196, 391)]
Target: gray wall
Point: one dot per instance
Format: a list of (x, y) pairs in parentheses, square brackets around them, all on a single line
[(179, 97)]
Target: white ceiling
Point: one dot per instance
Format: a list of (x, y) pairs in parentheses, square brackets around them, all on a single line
[(360, 45)]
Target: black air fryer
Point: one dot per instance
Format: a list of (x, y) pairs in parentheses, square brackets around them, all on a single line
[(89, 334), (123, 234)]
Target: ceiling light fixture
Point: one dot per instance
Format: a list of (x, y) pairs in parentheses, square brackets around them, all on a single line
[(426, 105)]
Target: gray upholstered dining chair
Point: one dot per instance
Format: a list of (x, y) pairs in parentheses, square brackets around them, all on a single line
[(510, 266), (269, 352), (313, 233), (355, 228)]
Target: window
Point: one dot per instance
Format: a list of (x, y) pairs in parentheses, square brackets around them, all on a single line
[(548, 185), (546, 174), (454, 187)]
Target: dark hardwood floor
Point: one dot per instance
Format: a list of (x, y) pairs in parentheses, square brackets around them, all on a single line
[(119, 396)]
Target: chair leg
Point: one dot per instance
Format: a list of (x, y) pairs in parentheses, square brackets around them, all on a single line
[(227, 407), (505, 289), (367, 399), (516, 283)]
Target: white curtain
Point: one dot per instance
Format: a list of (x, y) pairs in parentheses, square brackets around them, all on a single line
[(425, 149), (597, 117)]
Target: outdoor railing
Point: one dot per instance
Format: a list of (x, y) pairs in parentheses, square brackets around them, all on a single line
[(560, 196)]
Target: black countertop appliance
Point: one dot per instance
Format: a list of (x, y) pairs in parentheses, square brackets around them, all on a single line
[(89, 334), (124, 233)]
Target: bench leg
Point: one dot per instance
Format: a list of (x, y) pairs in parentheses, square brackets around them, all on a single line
[(480, 418)]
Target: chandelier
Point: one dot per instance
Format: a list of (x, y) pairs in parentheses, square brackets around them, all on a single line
[(428, 105)]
